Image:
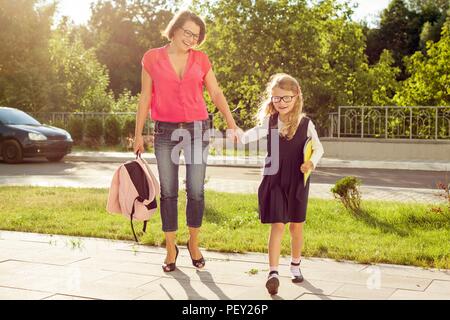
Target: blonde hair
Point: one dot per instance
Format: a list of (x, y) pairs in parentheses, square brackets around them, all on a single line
[(178, 22), (266, 108)]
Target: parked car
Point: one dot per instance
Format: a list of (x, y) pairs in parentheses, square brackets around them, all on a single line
[(22, 136)]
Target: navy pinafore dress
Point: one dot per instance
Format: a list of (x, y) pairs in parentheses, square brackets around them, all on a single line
[(282, 197)]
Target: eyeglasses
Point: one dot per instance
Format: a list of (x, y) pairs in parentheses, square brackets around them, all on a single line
[(189, 34), (287, 99)]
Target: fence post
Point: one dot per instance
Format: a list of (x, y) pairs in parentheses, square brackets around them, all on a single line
[(386, 122), (436, 124), (339, 122), (410, 123), (362, 122), (332, 125)]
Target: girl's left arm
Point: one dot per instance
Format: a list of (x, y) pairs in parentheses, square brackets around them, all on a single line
[(220, 101), (316, 144)]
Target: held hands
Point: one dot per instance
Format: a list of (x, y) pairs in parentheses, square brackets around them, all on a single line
[(234, 133), (308, 165)]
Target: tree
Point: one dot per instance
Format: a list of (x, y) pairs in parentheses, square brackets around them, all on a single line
[(399, 32), (429, 83), (249, 41), (405, 27), (25, 30), (121, 31), (80, 82), (433, 15)]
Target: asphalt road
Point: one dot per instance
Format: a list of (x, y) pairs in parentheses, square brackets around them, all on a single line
[(88, 174)]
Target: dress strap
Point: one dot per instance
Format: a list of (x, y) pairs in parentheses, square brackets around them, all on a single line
[(273, 121), (304, 122)]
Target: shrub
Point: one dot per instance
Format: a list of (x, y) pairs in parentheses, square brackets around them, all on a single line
[(76, 129), (346, 190), (94, 132), (58, 123), (128, 127), (445, 192), (112, 130)]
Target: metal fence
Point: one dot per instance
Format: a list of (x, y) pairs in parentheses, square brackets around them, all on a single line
[(63, 118), (391, 122)]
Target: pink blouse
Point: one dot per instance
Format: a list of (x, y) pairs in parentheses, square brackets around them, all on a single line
[(175, 99)]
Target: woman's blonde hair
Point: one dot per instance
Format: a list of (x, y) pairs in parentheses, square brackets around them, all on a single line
[(180, 19), (266, 108)]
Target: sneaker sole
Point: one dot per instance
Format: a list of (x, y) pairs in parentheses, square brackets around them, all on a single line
[(272, 285), (297, 279)]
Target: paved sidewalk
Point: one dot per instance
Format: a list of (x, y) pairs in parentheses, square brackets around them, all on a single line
[(258, 161), (35, 266)]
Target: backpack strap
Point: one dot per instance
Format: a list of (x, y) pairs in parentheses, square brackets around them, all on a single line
[(131, 220), (132, 228), (144, 229)]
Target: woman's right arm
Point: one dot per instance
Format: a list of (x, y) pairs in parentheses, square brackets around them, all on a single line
[(143, 110)]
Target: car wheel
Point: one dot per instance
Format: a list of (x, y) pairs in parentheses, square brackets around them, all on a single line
[(12, 151), (55, 159)]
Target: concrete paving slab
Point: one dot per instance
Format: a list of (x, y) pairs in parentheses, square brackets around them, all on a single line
[(121, 270), (14, 294), (363, 292)]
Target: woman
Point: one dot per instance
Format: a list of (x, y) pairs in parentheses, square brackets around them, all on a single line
[(173, 77)]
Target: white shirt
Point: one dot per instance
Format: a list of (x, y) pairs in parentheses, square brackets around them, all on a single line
[(261, 131)]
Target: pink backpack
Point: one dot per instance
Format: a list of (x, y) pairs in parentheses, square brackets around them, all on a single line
[(133, 192)]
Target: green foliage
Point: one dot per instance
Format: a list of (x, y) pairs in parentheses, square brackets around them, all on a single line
[(405, 27), (319, 45), (121, 31), (337, 61), (429, 83), (76, 129), (25, 70), (47, 70), (94, 131), (58, 123), (382, 76), (129, 127), (126, 102), (80, 82), (346, 190), (112, 130)]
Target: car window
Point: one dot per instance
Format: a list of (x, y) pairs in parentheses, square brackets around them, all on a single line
[(12, 116)]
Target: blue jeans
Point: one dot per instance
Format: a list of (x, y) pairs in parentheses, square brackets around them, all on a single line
[(193, 139)]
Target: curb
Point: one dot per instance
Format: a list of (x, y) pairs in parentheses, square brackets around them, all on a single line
[(258, 162)]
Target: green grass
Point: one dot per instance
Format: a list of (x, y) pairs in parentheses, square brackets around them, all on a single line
[(387, 232)]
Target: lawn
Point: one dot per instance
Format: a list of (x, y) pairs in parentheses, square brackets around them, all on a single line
[(387, 232)]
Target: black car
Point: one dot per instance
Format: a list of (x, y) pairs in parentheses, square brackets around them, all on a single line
[(22, 136)]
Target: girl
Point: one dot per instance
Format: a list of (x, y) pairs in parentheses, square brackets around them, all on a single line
[(282, 194), (173, 78)]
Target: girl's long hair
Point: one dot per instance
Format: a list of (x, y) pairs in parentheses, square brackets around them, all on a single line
[(266, 108)]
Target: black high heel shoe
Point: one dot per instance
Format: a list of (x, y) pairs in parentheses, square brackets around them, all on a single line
[(199, 263), (169, 267)]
